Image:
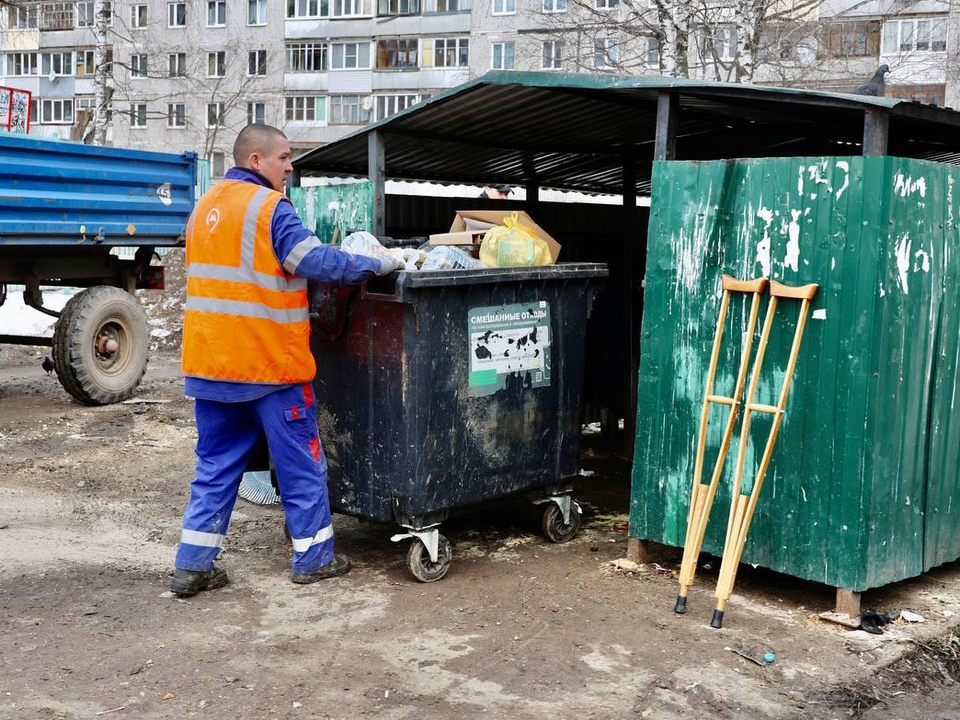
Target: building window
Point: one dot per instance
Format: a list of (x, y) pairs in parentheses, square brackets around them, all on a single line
[(552, 56), (501, 56), (717, 43), (138, 16), (216, 64), (929, 94), (216, 13), (177, 64), (257, 12), (387, 105), (606, 4), (350, 56), (176, 115), (306, 57), (349, 109), (138, 115), (554, 6), (217, 163), (504, 7), (256, 113), (176, 14), (85, 102), (215, 115), (852, 39), (85, 17), (352, 8), (397, 53), (86, 64), (451, 52), (56, 112), (606, 53), (257, 62), (57, 16), (21, 64), (652, 57), (308, 8), (88, 103), (446, 5), (138, 66), (23, 18), (305, 109), (399, 7), (56, 63), (915, 35)]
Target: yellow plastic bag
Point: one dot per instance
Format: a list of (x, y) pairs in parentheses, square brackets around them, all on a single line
[(513, 244)]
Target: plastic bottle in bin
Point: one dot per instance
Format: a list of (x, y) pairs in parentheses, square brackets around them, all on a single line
[(447, 257)]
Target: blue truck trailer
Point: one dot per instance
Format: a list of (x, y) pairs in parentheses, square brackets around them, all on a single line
[(63, 208)]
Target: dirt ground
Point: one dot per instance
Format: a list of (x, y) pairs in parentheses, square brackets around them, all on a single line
[(90, 509)]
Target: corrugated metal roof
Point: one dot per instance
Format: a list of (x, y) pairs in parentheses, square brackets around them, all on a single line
[(572, 131)]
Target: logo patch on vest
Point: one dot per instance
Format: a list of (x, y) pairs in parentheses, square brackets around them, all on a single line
[(213, 219)]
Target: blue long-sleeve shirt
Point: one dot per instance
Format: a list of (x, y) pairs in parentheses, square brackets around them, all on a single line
[(322, 263)]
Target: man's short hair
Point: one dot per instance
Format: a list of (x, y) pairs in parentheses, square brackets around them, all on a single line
[(256, 138)]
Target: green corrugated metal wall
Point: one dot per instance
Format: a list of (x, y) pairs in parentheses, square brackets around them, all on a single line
[(328, 207), (863, 485)]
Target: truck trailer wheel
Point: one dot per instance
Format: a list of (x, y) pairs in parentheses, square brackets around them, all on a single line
[(100, 345)]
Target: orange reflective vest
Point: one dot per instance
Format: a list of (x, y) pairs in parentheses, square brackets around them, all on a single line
[(246, 319)]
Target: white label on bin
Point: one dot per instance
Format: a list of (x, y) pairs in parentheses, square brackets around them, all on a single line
[(509, 344)]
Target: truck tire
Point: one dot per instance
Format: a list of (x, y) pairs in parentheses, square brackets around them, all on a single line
[(100, 345)]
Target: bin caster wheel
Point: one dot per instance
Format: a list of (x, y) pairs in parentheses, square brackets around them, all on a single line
[(420, 565), (553, 526)]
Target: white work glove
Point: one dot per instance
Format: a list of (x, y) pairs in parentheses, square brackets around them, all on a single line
[(388, 263)]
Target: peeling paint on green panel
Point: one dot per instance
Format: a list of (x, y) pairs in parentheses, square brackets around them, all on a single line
[(326, 208), (864, 484)]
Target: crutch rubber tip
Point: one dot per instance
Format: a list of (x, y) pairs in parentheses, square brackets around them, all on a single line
[(681, 607), (717, 621)]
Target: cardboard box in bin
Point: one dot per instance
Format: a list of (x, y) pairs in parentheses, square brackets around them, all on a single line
[(469, 227)]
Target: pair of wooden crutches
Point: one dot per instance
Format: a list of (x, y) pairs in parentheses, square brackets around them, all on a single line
[(742, 506)]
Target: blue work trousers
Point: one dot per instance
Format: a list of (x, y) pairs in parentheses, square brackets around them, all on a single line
[(227, 435)]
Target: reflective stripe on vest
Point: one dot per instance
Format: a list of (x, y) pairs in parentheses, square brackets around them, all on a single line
[(245, 319)]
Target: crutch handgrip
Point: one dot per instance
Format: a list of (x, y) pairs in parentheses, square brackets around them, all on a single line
[(744, 286), (801, 292)]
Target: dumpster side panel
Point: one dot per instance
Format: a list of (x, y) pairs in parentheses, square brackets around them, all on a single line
[(64, 193), (478, 448), (358, 390), (853, 445)]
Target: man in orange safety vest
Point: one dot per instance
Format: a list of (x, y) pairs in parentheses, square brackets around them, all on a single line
[(247, 359)]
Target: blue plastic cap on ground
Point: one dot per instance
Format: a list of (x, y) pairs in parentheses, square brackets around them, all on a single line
[(769, 658)]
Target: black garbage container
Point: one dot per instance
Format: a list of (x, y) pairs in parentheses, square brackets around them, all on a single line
[(438, 391)]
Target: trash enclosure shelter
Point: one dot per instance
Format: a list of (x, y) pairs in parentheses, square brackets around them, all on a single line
[(603, 134)]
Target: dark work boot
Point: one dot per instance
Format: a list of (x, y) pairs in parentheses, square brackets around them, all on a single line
[(189, 582), (340, 565)]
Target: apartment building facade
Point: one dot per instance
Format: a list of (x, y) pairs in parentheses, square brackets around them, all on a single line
[(49, 49), (189, 74)]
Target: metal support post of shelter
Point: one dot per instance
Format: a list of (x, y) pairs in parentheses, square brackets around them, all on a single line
[(375, 173), (533, 198), (876, 131), (668, 107)]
